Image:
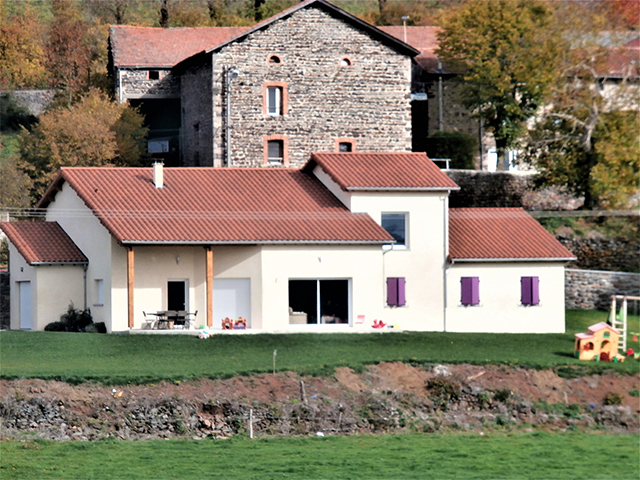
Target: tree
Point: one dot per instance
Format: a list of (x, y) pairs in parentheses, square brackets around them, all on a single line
[(68, 50), (587, 136), (21, 49), (93, 132), (507, 59)]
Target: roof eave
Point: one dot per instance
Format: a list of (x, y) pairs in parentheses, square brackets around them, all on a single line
[(375, 32), (45, 263), (254, 242), (511, 259), (401, 189)]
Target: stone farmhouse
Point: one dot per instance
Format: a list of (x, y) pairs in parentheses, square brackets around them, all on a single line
[(345, 242), (312, 78)]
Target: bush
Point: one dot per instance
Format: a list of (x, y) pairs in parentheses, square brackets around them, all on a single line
[(613, 398), (75, 320), (460, 147)]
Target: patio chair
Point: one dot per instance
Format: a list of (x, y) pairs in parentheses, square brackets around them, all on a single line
[(148, 321)]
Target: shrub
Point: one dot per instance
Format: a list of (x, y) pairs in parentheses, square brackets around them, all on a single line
[(459, 147), (502, 395), (75, 320), (444, 388), (613, 398)]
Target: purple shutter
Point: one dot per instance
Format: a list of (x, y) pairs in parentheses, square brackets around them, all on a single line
[(401, 292), (475, 291), (535, 291), (525, 290), (392, 292), (470, 290)]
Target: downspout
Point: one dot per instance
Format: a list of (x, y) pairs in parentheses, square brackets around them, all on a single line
[(84, 275), (445, 270), (119, 85), (440, 102)]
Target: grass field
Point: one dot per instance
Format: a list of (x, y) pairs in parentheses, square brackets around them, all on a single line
[(492, 456), (123, 359)]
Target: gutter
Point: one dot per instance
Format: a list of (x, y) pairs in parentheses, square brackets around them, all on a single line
[(484, 260), (402, 189), (256, 242)]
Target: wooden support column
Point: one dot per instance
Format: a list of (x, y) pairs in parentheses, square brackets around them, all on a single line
[(209, 286), (130, 285)]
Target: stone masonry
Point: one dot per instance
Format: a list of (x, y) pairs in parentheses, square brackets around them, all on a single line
[(367, 101), (592, 289)]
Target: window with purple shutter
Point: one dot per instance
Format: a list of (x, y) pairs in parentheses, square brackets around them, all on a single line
[(530, 290), (396, 296), (470, 290)]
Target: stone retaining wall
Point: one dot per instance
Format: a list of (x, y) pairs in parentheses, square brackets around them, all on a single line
[(592, 289)]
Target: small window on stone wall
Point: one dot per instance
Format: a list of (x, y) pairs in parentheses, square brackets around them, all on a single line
[(154, 75), (345, 62), (274, 59)]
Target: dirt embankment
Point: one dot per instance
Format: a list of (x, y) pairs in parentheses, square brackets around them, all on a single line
[(389, 397)]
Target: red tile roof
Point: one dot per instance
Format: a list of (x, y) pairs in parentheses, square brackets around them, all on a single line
[(42, 242), (501, 234), (217, 205), (164, 47), (382, 171)]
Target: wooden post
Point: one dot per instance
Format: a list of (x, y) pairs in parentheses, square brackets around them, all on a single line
[(130, 284), (209, 286)]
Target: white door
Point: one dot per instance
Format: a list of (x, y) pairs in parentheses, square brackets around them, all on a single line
[(231, 298), (25, 305)]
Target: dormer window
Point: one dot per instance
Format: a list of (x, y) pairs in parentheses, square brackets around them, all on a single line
[(274, 59)]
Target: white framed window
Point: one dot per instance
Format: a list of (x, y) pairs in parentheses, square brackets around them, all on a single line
[(396, 224), (274, 101), (345, 147), (99, 284), (275, 151)]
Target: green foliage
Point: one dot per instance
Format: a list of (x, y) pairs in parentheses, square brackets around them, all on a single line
[(94, 131), (444, 388), (602, 164), (502, 395), (14, 183), (459, 147), (634, 393), (499, 456), (507, 57)]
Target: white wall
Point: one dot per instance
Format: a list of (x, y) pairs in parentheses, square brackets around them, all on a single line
[(93, 239), (53, 288), (500, 310), (422, 263)]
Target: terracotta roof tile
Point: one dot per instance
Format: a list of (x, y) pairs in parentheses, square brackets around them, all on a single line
[(43, 242), (217, 205), (382, 171), (501, 234), (164, 47)]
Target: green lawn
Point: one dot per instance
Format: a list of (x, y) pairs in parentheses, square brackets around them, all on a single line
[(492, 456), (121, 359)]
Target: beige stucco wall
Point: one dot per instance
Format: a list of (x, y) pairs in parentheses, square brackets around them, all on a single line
[(422, 262), (500, 310), (93, 239), (361, 265), (53, 288)]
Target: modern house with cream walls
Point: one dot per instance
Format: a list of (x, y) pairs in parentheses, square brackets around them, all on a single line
[(347, 240)]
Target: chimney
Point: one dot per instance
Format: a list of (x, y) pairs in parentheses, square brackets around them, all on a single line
[(158, 179)]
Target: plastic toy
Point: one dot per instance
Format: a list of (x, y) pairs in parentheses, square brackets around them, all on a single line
[(378, 324), (240, 324), (599, 344)]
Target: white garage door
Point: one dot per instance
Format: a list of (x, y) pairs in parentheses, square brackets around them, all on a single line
[(231, 298)]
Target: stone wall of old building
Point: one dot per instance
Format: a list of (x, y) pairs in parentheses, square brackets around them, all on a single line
[(367, 101), (197, 117), (135, 83), (592, 289)]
